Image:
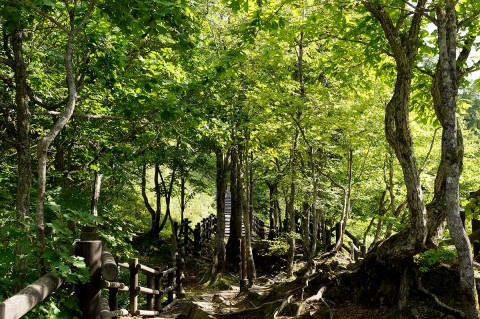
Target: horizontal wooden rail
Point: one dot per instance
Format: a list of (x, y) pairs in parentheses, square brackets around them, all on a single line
[(147, 269), (24, 301), (159, 283), (112, 284), (147, 313)]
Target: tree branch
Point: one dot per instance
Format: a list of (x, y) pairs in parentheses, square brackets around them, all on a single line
[(469, 19)]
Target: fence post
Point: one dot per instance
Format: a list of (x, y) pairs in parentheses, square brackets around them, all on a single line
[(363, 250), (90, 248), (158, 286), (354, 251), (150, 284), (262, 230), (170, 283), (180, 265), (197, 246), (112, 298), (185, 232), (133, 285), (215, 225)]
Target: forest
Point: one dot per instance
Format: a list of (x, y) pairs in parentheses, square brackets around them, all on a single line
[(322, 121)]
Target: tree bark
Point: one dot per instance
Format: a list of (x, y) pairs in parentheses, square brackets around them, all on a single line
[(47, 139), (97, 183), (273, 208), (236, 214), (446, 91), (24, 165), (219, 259), (397, 127), (146, 201), (247, 193), (290, 208)]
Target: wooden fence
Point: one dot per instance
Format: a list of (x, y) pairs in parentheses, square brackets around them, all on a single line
[(258, 227), (194, 239), (25, 300), (158, 283), (357, 249)]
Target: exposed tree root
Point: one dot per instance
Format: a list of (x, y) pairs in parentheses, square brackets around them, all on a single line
[(436, 299), (318, 297), (269, 310)]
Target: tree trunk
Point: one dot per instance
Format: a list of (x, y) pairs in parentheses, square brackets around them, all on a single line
[(97, 183), (247, 192), (221, 186), (273, 209), (347, 195), (395, 254), (290, 208), (397, 122), (47, 139), (182, 197), (24, 165), (146, 201), (446, 92), (158, 200), (236, 214), (168, 198)]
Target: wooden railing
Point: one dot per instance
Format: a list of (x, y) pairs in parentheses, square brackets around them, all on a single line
[(357, 249), (258, 227), (24, 301), (193, 239), (159, 283)]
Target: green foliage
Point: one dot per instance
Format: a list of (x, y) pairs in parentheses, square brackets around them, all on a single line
[(118, 234), (472, 209), (432, 257), (279, 245)]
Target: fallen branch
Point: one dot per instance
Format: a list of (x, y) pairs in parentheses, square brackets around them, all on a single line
[(436, 299)]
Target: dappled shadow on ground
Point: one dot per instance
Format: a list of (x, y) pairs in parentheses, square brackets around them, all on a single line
[(328, 293)]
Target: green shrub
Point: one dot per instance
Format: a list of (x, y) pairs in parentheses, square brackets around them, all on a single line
[(432, 257)]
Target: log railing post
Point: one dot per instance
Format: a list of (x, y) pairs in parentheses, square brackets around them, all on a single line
[(158, 286), (179, 275), (262, 230), (363, 250), (197, 246), (150, 285), (185, 232), (90, 248), (354, 251), (170, 283), (133, 285), (112, 298)]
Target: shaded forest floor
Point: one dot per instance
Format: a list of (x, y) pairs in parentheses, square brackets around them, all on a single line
[(328, 293)]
